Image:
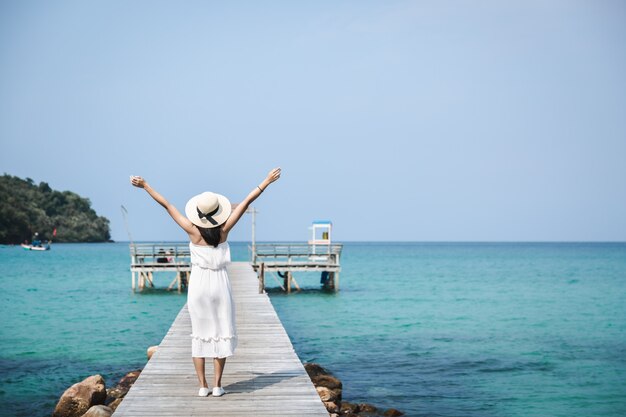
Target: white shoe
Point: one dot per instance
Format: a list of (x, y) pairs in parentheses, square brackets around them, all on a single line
[(218, 391), (203, 392)]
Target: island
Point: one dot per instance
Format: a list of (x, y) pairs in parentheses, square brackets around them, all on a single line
[(27, 208)]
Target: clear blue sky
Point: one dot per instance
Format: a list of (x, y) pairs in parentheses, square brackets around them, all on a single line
[(397, 120)]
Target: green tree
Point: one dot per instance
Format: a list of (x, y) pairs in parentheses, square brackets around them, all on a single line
[(26, 208)]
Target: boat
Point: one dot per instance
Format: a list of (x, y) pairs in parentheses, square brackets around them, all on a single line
[(37, 244), (39, 248)]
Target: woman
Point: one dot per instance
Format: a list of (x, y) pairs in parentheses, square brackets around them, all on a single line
[(210, 217)]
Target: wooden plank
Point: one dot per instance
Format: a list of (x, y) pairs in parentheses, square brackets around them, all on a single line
[(264, 377), (300, 267)]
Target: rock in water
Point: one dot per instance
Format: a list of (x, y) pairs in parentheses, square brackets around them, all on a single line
[(115, 403), (349, 408), (367, 408), (123, 386), (392, 412), (151, 351), (327, 386), (330, 388), (99, 411), (331, 407), (78, 398), (314, 370), (327, 394), (327, 381)]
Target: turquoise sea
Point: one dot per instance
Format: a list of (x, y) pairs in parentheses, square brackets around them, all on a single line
[(433, 329)]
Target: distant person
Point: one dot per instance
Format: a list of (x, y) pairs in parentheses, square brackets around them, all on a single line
[(210, 217), (36, 241), (162, 258)]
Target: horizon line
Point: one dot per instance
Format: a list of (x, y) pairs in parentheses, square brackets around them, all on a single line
[(371, 241)]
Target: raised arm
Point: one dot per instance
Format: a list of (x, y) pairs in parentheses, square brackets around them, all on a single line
[(182, 221), (254, 194)]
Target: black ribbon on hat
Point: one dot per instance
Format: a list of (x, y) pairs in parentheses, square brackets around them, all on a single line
[(208, 216)]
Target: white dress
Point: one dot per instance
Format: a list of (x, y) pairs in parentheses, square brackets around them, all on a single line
[(210, 302)]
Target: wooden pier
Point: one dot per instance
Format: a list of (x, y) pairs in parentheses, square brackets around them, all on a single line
[(146, 259), (264, 377), (277, 260), (284, 259)]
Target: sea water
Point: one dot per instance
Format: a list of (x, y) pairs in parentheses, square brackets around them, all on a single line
[(433, 329)]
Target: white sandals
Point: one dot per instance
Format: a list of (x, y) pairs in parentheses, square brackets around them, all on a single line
[(217, 392)]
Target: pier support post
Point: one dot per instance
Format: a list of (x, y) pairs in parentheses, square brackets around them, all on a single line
[(185, 279), (262, 278), (329, 282), (288, 281), (132, 277), (332, 283)]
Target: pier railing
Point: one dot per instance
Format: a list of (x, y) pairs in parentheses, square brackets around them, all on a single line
[(286, 258), (297, 255), (148, 258), (282, 259), (161, 256)]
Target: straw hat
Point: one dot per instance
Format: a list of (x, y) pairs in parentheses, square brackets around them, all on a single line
[(208, 209)]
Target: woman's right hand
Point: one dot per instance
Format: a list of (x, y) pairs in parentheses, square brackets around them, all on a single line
[(138, 182), (273, 175)]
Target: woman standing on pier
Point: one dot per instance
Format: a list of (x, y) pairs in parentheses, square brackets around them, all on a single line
[(210, 217)]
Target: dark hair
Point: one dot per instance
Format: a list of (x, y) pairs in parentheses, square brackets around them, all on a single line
[(211, 235)]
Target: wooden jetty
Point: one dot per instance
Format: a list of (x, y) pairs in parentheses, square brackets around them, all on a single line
[(146, 259), (278, 260), (263, 378), (284, 259)]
